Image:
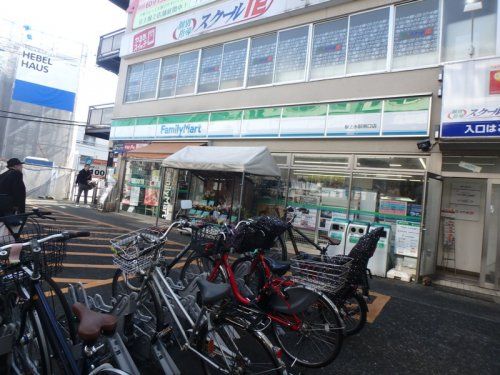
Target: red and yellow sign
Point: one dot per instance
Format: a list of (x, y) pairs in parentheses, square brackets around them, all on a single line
[(495, 82)]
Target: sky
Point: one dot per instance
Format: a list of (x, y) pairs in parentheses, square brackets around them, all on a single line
[(82, 21)]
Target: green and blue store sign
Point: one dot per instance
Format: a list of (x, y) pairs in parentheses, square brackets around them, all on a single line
[(366, 118)]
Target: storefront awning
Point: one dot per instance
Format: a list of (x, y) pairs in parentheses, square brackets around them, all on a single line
[(160, 150), (251, 160)]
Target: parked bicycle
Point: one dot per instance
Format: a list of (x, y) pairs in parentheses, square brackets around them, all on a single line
[(223, 336), (305, 321), (38, 345)]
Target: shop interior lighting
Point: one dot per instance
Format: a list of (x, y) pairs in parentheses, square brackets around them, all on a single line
[(422, 162), (472, 5), (395, 165)]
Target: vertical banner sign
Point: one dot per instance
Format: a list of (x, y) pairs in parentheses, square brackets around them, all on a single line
[(46, 80), (471, 99)]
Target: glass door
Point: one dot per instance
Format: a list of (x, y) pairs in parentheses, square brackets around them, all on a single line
[(430, 230), (490, 267)]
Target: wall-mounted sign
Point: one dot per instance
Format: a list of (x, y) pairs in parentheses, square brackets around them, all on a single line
[(345, 119), (471, 104), (98, 168), (223, 15), (461, 212), (46, 80), (407, 238)]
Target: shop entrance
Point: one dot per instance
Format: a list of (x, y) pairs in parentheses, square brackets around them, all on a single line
[(490, 265), (462, 231)]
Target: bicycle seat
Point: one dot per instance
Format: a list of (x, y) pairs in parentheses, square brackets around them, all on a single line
[(93, 323), (212, 292), (278, 267)]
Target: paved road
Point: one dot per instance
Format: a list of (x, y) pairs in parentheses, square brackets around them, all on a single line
[(413, 329)]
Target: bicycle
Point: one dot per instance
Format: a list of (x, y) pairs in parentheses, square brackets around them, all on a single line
[(301, 317), (40, 346), (217, 333)]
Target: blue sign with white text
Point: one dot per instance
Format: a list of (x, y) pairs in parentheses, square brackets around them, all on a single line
[(471, 129)]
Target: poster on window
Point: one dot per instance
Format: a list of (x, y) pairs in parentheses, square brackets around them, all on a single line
[(392, 207), (306, 221), (135, 193), (151, 197), (407, 238)]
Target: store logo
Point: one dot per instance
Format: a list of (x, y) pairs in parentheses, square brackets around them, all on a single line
[(181, 130), (184, 29), (495, 82), (457, 113), (145, 39)]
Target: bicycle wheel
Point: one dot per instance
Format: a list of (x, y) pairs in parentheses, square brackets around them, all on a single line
[(195, 265), (237, 350), (278, 251), (59, 305), (353, 311), (250, 281), (30, 354), (149, 315), (318, 340)]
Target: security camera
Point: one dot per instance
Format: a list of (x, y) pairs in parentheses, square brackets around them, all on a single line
[(424, 145)]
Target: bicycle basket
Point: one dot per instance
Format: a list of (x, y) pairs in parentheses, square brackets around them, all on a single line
[(257, 233), (321, 272), (51, 257), (204, 239), (134, 251)]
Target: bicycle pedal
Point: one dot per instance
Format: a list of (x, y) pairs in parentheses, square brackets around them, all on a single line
[(167, 331)]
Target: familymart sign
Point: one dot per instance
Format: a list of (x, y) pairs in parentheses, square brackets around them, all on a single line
[(400, 117)]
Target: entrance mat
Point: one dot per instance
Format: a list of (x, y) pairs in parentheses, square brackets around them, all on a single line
[(376, 305)]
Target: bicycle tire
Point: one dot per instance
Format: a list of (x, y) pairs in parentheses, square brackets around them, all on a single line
[(347, 309), (32, 334), (254, 281), (153, 308), (62, 312), (328, 320), (195, 265), (253, 340)]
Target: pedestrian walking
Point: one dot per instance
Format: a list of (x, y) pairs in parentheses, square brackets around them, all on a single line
[(83, 181), (12, 189)]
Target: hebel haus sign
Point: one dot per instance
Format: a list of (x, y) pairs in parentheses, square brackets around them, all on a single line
[(471, 100), (223, 15), (46, 80)]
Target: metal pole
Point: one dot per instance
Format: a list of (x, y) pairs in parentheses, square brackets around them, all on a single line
[(160, 195), (241, 194)]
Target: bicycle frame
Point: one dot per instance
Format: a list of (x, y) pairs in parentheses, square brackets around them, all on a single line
[(222, 263)]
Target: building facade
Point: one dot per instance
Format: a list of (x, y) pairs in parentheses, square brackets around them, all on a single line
[(348, 97)]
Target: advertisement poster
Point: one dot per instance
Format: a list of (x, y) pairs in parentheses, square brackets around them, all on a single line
[(407, 238), (151, 197), (392, 207), (306, 221), (135, 192), (466, 194)]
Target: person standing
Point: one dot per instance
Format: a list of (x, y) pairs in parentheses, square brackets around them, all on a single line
[(82, 180), (12, 189)]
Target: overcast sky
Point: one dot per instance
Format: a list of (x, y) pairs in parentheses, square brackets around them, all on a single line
[(83, 21)]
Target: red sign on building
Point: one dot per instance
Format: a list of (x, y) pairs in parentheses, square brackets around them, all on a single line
[(144, 40)]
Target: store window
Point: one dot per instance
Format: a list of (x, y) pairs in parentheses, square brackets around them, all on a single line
[(186, 75), (468, 32), (149, 79), (210, 64), (168, 76), (321, 161), (134, 77), (329, 49), (141, 188), (391, 162), (261, 61), (416, 34), (291, 55), (233, 65), (472, 164), (368, 34), (268, 195)]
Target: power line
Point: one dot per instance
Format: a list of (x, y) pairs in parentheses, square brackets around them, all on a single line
[(42, 122), (44, 118)]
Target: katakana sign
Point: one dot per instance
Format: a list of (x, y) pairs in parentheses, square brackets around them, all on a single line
[(471, 100)]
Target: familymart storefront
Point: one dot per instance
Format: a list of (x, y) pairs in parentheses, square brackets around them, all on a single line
[(345, 192)]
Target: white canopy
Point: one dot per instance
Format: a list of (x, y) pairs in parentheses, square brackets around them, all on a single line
[(251, 160)]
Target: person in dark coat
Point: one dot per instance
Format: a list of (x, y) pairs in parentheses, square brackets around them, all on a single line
[(82, 180), (12, 189)]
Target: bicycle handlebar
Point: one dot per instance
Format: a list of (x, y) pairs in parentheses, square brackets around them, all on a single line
[(66, 235)]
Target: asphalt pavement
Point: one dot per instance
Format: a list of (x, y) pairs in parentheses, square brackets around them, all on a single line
[(412, 329)]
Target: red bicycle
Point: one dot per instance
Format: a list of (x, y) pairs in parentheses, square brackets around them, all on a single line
[(305, 322)]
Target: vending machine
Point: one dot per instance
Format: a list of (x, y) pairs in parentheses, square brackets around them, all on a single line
[(379, 261), (338, 231), (355, 231)]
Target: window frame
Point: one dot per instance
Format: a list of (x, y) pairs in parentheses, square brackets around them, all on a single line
[(274, 60), (243, 86), (159, 77), (199, 68)]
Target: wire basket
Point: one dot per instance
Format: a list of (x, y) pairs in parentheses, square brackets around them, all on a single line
[(51, 257), (135, 251), (204, 238), (328, 274)]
